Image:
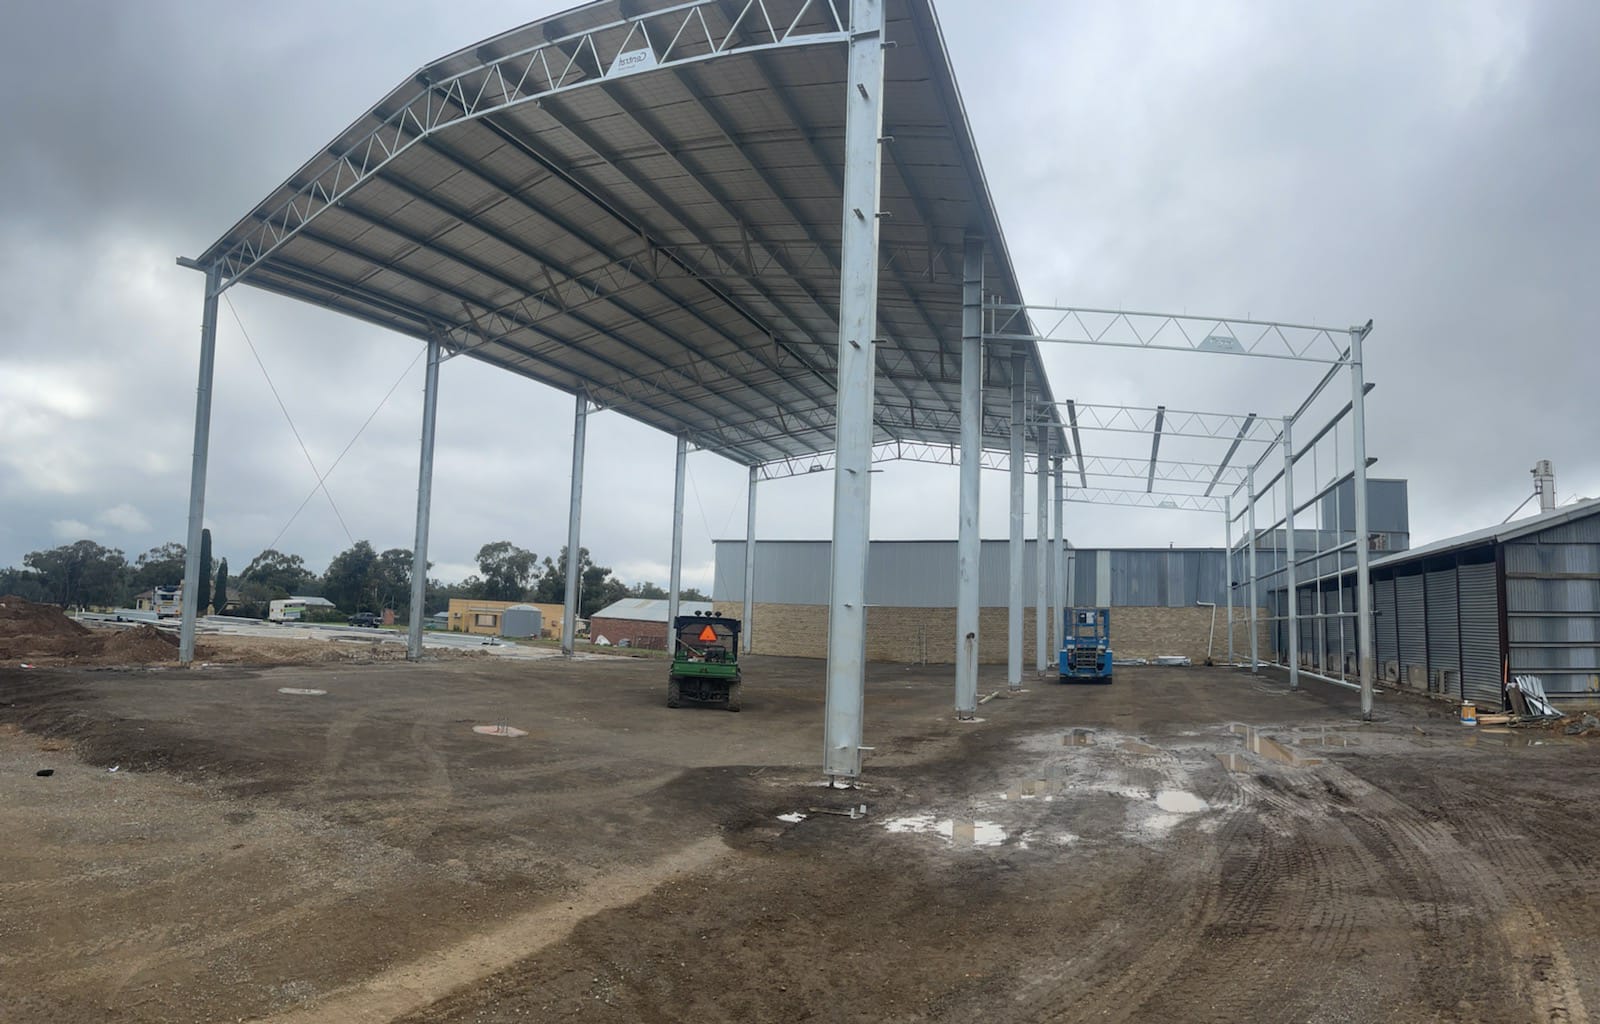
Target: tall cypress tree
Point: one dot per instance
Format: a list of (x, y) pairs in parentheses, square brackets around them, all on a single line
[(203, 598), (219, 593)]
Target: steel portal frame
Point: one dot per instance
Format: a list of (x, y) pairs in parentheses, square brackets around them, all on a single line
[(1339, 349)]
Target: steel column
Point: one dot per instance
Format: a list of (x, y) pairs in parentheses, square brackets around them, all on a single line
[(1018, 537), (197, 473), (1250, 493), (1059, 577), (858, 311), (1289, 568), (569, 617), (419, 549), (1041, 553), (1358, 430), (675, 574), (968, 543), (748, 621), (1227, 540)]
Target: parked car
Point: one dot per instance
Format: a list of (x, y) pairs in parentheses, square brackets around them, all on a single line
[(369, 619)]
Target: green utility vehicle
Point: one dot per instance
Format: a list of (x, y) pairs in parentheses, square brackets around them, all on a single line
[(705, 661)]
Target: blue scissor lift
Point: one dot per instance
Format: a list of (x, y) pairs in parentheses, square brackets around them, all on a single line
[(1086, 646)]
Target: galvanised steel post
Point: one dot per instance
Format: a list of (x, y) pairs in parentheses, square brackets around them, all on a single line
[(1289, 553), (1041, 553), (675, 576), (1358, 430), (1014, 548), (1250, 492), (858, 318), (569, 617), (968, 543), (197, 473), (1059, 577), (1227, 535), (419, 550), (748, 621)]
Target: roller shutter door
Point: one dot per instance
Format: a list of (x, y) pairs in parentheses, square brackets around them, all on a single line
[(1480, 634), (1383, 625), (1412, 627), (1348, 606), (1444, 649)]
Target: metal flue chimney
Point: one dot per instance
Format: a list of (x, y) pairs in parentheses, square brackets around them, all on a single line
[(1544, 484)]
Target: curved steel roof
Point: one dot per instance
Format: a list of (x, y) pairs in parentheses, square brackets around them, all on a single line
[(642, 200)]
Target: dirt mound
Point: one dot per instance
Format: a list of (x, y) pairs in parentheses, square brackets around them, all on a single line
[(42, 634), (21, 617), (139, 645)]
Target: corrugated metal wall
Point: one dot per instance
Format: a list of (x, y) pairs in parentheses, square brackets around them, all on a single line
[(922, 574), (1553, 606), (900, 574)]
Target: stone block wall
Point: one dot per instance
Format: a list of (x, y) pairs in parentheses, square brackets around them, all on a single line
[(928, 635)]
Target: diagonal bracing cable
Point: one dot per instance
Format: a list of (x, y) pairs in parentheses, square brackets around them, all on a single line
[(350, 444), (289, 419)]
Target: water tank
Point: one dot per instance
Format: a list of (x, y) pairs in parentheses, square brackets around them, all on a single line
[(521, 620)]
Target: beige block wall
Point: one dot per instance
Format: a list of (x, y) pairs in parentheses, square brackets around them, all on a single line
[(917, 635)]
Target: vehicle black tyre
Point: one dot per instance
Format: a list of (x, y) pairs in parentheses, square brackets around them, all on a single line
[(734, 702), (673, 695)]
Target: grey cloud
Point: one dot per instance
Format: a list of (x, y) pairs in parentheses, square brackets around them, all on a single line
[(1426, 165)]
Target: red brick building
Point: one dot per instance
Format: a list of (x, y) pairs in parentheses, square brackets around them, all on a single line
[(638, 622)]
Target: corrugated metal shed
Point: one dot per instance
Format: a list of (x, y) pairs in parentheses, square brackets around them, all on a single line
[(1520, 597)]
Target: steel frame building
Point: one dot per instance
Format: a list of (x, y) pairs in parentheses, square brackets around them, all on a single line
[(761, 226)]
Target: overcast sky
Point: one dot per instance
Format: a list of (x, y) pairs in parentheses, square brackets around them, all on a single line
[(1428, 165)]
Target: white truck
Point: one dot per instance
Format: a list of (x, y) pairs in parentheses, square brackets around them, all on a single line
[(167, 602)]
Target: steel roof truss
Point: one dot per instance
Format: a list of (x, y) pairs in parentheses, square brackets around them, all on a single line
[(507, 81)]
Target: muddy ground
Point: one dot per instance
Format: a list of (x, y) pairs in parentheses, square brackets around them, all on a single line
[(211, 848)]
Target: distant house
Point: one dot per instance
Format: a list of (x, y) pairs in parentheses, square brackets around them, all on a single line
[(640, 621), (293, 609), (168, 601), (486, 618)]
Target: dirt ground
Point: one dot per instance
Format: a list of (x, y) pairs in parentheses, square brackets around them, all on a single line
[(210, 847), (42, 636)]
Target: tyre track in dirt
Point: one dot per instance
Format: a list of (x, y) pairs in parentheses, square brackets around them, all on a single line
[(1134, 950), (1520, 886), (1283, 905), (1483, 939)]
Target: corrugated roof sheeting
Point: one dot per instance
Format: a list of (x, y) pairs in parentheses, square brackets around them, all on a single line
[(634, 235)]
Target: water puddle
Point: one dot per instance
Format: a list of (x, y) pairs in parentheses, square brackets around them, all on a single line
[(1176, 801), (1331, 739), (1258, 743), (793, 817), (499, 730), (1046, 789), (1234, 762), (1140, 748), (1511, 739), (960, 831), (1078, 738), (298, 692)]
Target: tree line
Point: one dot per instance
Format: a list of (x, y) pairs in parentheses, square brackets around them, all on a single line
[(360, 578)]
